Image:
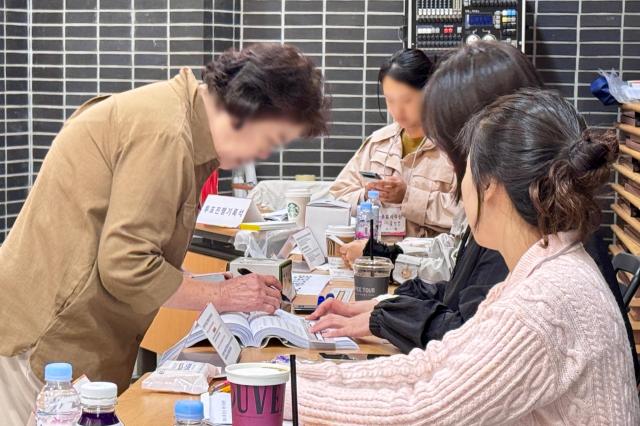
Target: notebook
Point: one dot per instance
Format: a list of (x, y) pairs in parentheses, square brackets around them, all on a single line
[(256, 329)]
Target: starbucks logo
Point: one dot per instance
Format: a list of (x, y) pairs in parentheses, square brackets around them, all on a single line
[(293, 210)]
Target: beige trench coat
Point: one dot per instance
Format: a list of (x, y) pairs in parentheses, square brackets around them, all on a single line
[(429, 204)]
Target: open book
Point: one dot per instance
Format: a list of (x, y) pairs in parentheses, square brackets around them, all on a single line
[(257, 328)]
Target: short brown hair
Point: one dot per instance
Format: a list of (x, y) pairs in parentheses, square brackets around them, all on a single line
[(268, 80), (536, 145)]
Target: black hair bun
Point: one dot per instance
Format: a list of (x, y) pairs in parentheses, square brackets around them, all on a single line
[(593, 151)]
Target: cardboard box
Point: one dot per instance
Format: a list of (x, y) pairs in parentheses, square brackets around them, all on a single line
[(279, 268), (320, 214)]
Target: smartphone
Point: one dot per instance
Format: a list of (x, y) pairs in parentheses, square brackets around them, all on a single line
[(349, 357), (370, 176)]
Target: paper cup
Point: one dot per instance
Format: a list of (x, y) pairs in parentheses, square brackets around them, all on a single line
[(334, 234), (257, 393), (296, 203)]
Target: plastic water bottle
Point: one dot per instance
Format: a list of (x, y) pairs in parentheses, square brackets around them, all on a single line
[(363, 213), (189, 413), (99, 404), (58, 402), (376, 208)]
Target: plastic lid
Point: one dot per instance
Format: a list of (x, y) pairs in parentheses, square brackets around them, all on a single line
[(365, 205), (257, 374), (58, 372), (373, 194), (188, 409), (379, 265), (98, 393), (297, 192)]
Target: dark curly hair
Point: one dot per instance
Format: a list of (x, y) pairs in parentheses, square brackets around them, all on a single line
[(539, 148), (268, 80)]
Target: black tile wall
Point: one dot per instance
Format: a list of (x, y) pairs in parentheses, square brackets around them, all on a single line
[(58, 53), (15, 156)]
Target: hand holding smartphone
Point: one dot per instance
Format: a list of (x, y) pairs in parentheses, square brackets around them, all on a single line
[(370, 176)]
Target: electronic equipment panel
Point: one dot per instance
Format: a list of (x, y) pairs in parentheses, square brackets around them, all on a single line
[(439, 25)]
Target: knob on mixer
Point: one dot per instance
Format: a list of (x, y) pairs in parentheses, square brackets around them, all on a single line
[(488, 37), (472, 38)]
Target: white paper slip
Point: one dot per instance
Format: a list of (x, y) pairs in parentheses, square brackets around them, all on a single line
[(341, 273), (217, 407), (219, 335), (228, 212), (211, 327), (310, 248), (312, 284)]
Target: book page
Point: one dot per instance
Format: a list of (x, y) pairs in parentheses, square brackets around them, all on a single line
[(237, 318), (288, 323)]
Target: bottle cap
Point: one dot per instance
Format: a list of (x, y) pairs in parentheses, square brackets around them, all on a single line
[(365, 205), (58, 372), (98, 393), (373, 194), (189, 410)]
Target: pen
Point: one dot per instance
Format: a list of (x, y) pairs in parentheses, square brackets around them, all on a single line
[(294, 389), (245, 271), (222, 387)]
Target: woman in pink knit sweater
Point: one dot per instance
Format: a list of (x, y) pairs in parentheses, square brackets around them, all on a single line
[(548, 345)]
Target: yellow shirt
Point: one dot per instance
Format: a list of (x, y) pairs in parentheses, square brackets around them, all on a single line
[(409, 144)]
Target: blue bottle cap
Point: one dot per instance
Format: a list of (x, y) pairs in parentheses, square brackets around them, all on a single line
[(330, 296), (189, 410), (58, 372), (365, 205), (320, 300), (373, 194)]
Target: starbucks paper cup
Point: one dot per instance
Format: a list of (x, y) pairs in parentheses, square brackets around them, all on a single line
[(296, 201)]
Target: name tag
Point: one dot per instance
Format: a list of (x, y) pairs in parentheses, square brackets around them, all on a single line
[(392, 222)]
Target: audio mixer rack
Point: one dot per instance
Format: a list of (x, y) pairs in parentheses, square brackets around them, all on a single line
[(439, 25)]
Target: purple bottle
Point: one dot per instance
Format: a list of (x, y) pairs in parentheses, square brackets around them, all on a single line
[(99, 404)]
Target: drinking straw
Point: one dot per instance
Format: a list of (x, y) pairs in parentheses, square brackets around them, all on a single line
[(371, 239), (294, 390)]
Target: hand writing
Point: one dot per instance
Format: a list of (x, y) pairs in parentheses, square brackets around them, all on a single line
[(249, 293)]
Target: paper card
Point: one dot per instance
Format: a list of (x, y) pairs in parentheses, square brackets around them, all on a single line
[(228, 212), (312, 284), (392, 222), (211, 327), (219, 335), (310, 248)]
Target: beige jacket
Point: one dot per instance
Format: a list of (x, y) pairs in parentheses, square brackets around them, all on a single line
[(99, 243), (429, 203)]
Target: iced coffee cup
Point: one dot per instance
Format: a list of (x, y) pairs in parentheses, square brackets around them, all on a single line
[(257, 393), (371, 277)]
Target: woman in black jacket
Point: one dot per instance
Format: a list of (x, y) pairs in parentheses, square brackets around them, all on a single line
[(468, 80)]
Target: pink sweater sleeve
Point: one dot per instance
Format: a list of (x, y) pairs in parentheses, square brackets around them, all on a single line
[(470, 376)]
